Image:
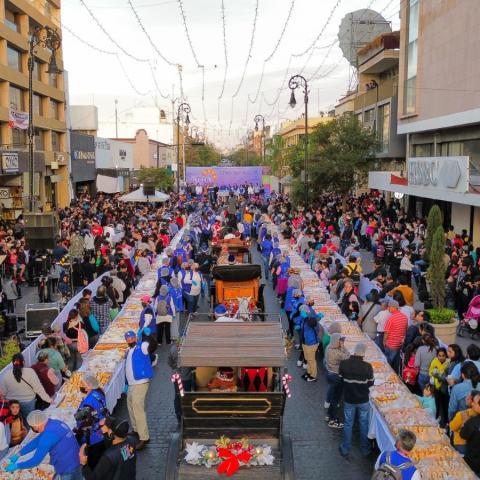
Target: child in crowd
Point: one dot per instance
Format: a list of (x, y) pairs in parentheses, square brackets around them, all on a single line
[(437, 371), (428, 400), (18, 430)]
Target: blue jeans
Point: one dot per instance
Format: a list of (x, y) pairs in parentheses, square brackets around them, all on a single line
[(379, 340), (191, 301), (350, 411), (423, 380), (334, 393), (74, 475), (26, 408), (392, 357), (266, 264)]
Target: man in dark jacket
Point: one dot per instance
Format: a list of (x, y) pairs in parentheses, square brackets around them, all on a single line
[(357, 378)]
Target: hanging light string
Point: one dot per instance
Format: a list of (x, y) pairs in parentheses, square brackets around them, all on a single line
[(226, 59), (149, 38), (107, 34), (153, 71), (184, 18), (138, 92), (88, 44)]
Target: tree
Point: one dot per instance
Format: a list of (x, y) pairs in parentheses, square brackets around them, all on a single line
[(243, 158), (275, 154), (437, 269), (340, 155), (162, 178), (202, 155), (434, 221)]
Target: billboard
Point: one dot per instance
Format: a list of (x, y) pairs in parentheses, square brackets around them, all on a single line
[(224, 176)]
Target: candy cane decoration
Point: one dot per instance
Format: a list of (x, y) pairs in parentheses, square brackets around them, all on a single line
[(286, 379), (177, 378)]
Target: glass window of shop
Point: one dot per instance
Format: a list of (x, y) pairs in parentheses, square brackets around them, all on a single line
[(422, 150), (384, 128), (39, 140), (19, 138), (472, 149), (412, 56), (11, 20), (14, 58), (37, 105), (16, 98)]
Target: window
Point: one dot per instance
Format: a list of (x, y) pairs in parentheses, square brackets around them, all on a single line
[(37, 104), (37, 68), (368, 118), (424, 150), (14, 58), (410, 94), (384, 128), (53, 109), (16, 98), (52, 79), (55, 141), (19, 138), (11, 20), (39, 143)]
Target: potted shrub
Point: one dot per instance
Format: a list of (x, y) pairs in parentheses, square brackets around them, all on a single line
[(10, 348), (443, 318)]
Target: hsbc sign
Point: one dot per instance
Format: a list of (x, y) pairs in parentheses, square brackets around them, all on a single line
[(446, 173)]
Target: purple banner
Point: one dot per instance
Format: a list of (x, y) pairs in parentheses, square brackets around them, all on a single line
[(224, 176)]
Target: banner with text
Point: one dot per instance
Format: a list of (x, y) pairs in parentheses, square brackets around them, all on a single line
[(224, 176)]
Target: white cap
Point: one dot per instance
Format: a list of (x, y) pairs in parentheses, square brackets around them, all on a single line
[(36, 417)]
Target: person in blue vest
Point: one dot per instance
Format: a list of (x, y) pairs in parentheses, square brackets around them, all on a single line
[(164, 274), (138, 372), (96, 402), (176, 295), (399, 459), (55, 439), (147, 315), (266, 247)]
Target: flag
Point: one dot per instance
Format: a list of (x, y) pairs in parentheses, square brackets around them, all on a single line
[(18, 119)]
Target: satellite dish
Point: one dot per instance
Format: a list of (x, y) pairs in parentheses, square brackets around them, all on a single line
[(359, 28)]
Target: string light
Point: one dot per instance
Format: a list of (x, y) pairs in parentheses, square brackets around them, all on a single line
[(180, 4), (138, 92), (88, 44), (105, 31), (154, 78), (224, 51), (149, 38)]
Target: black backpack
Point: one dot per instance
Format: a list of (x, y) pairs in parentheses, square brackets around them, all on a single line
[(387, 471)]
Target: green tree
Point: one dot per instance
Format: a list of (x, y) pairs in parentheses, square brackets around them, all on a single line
[(434, 220), (243, 158), (201, 155), (162, 178), (437, 269), (343, 150)]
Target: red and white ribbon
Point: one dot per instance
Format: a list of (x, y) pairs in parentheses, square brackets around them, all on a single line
[(177, 378), (286, 379)]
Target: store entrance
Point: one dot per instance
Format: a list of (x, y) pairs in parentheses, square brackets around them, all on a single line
[(420, 206)]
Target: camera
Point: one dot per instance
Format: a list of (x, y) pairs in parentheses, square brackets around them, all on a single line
[(87, 418)]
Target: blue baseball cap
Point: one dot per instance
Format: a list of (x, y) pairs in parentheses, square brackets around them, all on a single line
[(220, 309), (130, 334)]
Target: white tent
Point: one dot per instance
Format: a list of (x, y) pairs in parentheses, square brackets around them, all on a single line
[(138, 196)]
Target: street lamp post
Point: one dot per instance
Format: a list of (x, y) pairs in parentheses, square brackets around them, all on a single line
[(295, 82), (45, 37), (260, 118), (183, 108)]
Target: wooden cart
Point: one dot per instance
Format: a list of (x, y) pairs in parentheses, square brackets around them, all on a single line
[(239, 248), (208, 415), (231, 282)]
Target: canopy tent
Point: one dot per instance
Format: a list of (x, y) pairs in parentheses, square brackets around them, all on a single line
[(138, 196)]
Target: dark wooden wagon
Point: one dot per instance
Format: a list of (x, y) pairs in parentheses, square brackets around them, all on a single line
[(208, 415)]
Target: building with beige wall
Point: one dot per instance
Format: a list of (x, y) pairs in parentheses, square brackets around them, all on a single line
[(18, 19), (439, 111)]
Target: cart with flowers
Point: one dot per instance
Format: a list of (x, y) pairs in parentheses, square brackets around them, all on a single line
[(231, 422)]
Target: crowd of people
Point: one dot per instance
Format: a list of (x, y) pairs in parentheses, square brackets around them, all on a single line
[(101, 236)]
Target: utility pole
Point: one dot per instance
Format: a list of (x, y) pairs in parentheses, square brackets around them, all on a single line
[(116, 118)]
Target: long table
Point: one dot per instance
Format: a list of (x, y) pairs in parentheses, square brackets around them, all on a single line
[(392, 405)]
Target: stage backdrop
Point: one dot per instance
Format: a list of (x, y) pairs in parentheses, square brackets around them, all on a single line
[(224, 176)]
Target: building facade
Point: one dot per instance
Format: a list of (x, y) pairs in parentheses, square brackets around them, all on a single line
[(51, 182), (439, 111), (83, 172)]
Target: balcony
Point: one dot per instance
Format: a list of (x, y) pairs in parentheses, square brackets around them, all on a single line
[(386, 89), (380, 55)]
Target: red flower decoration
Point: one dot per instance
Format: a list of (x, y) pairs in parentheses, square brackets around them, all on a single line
[(232, 462)]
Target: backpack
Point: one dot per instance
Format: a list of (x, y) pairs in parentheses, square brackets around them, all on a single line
[(387, 471), (355, 276), (410, 372), (162, 308)]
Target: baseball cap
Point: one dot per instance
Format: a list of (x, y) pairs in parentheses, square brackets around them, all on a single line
[(118, 427), (360, 349), (146, 299), (220, 309), (130, 334)]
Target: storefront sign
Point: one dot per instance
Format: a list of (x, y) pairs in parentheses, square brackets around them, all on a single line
[(89, 157), (83, 157), (10, 162), (447, 173), (111, 153)]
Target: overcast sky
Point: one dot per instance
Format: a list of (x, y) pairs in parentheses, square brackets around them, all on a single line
[(98, 77)]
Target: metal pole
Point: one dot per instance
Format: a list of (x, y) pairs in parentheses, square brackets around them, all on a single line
[(306, 144), (158, 155), (178, 154), (31, 133), (183, 154), (264, 141), (116, 118)]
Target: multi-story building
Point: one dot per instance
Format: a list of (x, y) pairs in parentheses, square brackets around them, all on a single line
[(293, 133), (51, 181), (439, 111)]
